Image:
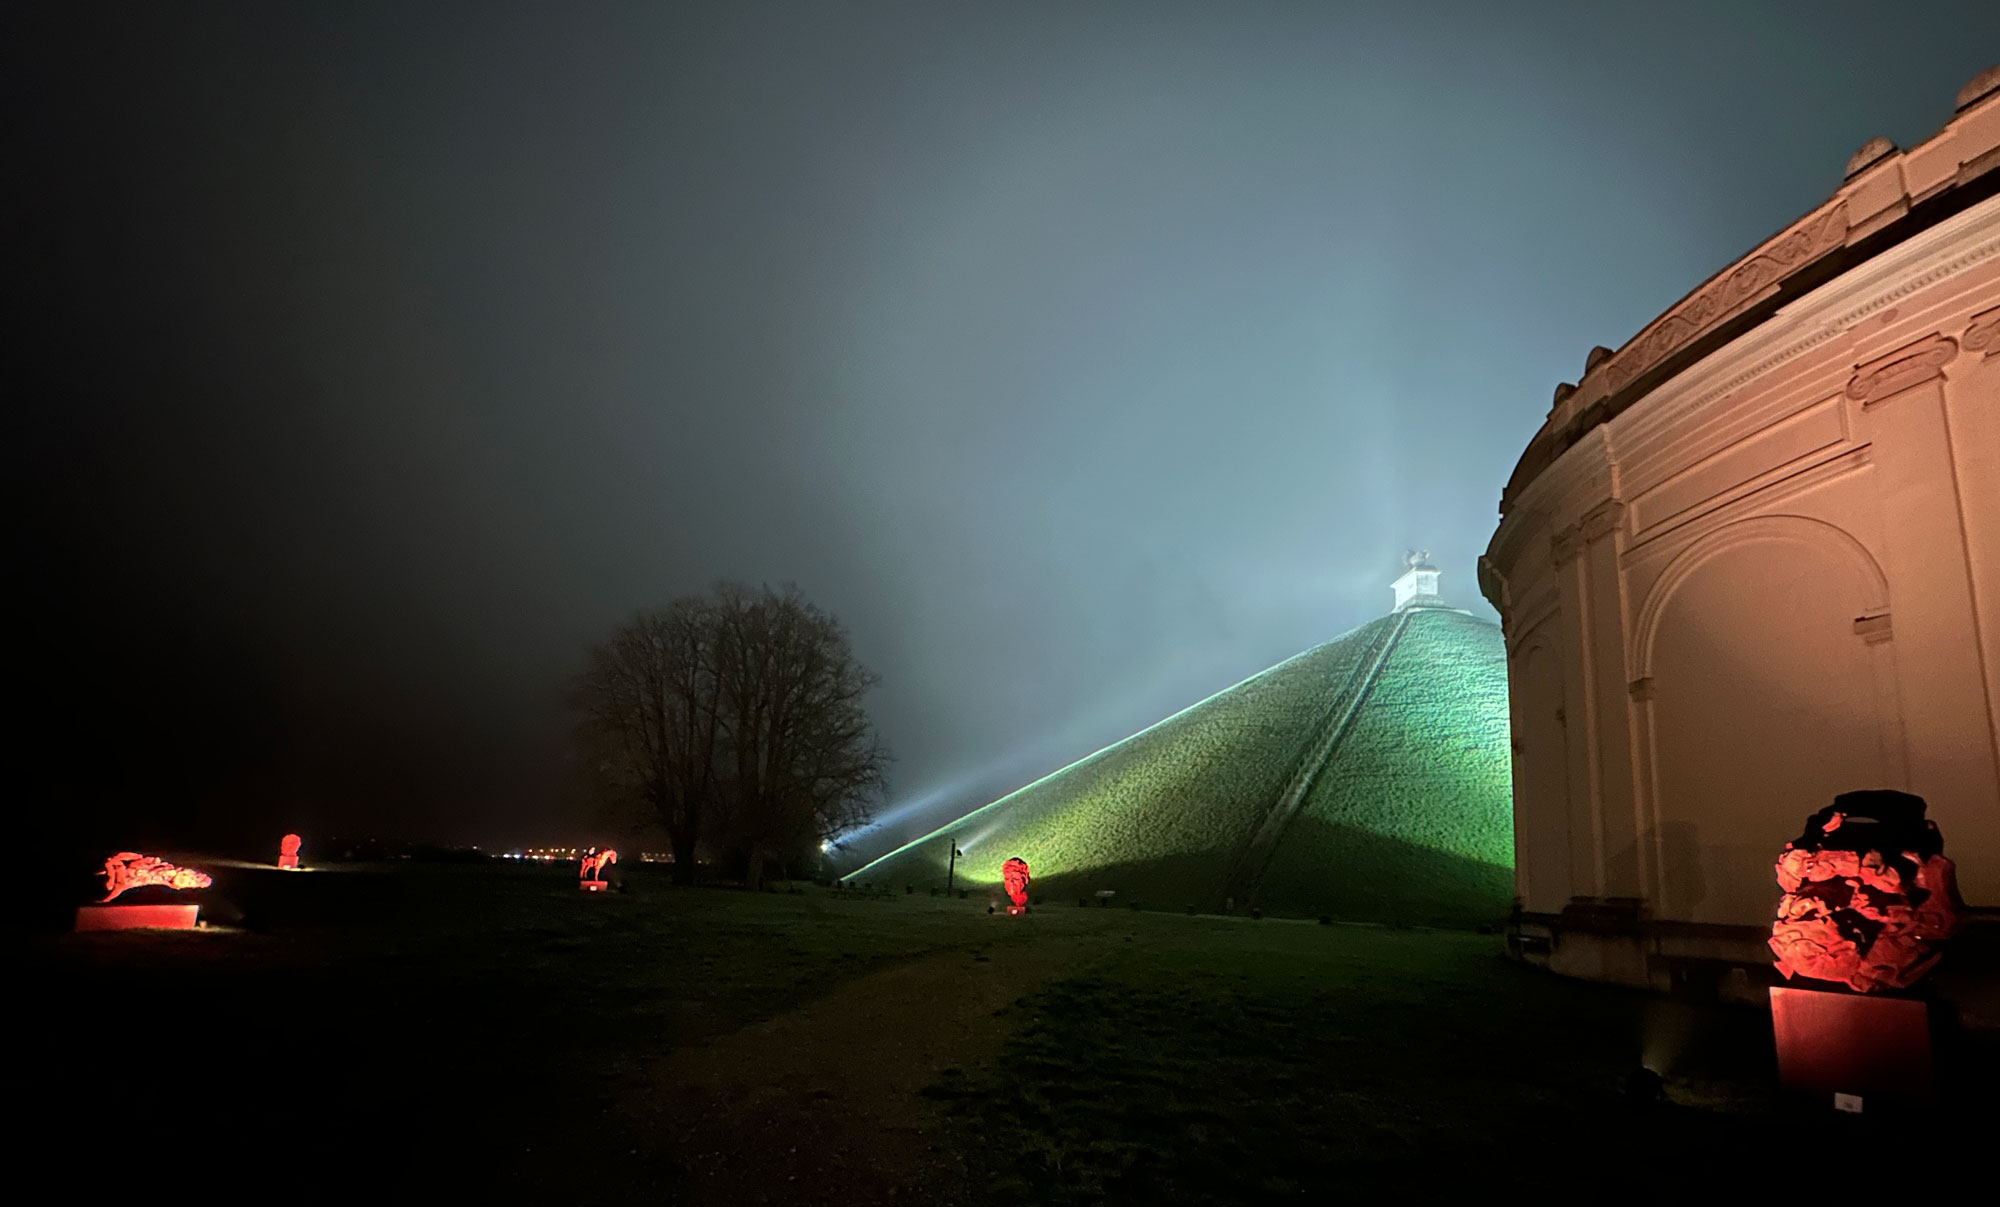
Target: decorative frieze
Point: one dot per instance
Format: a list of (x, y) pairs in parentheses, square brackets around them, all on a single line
[(1804, 243), (1910, 365)]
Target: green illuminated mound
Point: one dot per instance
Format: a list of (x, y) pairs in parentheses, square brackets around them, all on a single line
[(1408, 817), (1424, 771)]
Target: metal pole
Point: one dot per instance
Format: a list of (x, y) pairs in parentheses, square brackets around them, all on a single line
[(951, 869)]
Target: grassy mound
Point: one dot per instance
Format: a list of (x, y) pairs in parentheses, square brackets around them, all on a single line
[(1409, 819), (1413, 817)]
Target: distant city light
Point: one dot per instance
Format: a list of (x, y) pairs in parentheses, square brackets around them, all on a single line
[(566, 854)]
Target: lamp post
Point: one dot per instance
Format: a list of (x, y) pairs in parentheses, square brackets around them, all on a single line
[(951, 869)]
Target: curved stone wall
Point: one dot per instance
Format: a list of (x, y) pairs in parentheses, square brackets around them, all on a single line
[(1752, 560)]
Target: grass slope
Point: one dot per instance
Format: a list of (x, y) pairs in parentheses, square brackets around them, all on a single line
[(1410, 820), (1413, 817), (1164, 808)]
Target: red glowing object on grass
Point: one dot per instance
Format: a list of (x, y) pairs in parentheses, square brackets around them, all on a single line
[(288, 851), (1014, 878), (130, 870), (591, 877), (1868, 894)]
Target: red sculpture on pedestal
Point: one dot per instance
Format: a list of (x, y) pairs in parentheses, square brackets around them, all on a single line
[(1868, 892), (288, 851), (594, 863), (1014, 878), (130, 870)]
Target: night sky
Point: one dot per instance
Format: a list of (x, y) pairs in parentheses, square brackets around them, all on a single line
[(370, 361)]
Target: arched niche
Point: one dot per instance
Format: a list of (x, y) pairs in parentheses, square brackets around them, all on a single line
[(1765, 689)]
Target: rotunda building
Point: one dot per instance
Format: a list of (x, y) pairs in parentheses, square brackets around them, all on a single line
[(1752, 560)]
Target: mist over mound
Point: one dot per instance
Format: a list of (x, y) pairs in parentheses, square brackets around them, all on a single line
[(1367, 778)]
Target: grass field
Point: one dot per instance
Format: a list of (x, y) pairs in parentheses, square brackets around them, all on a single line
[(503, 1036)]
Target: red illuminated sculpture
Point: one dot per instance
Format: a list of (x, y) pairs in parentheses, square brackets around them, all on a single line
[(288, 851), (130, 870), (1868, 894), (1014, 878), (594, 863)]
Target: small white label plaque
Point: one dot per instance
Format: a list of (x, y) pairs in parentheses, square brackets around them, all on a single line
[(1851, 1103)]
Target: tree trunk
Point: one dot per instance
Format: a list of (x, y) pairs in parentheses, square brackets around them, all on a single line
[(753, 872), (684, 863)]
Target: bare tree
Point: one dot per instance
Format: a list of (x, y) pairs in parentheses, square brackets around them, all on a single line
[(736, 715), (651, 724), (805, 764)]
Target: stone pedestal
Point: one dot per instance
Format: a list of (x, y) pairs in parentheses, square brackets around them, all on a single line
[(594, 886), (136, 917), (1852, 1045)]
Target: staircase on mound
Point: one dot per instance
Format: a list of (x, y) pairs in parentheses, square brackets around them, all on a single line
[(1246, 870)]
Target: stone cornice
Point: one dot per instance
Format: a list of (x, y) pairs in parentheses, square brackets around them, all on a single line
[(1937, 255), (1726, 295), (1890, 199), (1966, 241)]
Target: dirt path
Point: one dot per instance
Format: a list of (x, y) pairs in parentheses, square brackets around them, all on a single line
[(821, 1105)]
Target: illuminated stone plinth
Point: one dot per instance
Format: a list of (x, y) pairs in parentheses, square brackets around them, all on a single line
[(1844, 1043), (594, 886), (136, 917)]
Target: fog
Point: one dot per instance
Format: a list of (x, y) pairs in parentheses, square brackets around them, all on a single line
[(1083, 359)]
